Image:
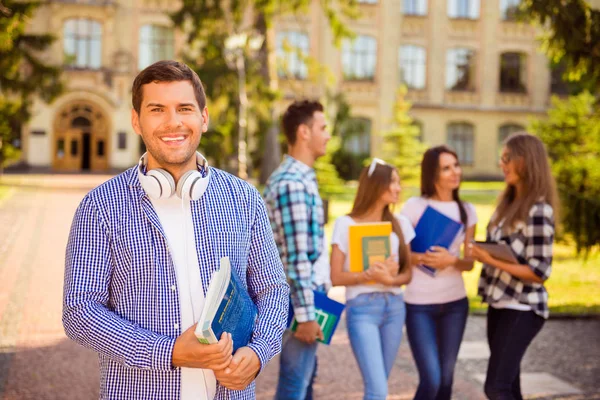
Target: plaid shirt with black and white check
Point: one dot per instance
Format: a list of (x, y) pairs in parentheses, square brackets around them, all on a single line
[(531, 242), (120, 292), (296, 213)]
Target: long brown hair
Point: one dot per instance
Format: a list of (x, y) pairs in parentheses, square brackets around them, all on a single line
[(534, 171), (370, 189), (430, 171)]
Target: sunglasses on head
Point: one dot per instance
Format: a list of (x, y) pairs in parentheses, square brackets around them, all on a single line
[(374, 165)]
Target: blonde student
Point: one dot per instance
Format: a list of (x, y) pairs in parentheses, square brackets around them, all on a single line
[(437, 305), (375, 312), (518, 301)]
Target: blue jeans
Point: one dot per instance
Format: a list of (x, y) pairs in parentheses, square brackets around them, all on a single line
[(297, 367), (375, 322), (509, 334), (434, 333)]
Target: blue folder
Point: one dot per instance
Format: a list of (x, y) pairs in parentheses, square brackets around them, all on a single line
[(434, 229), (328, 314)]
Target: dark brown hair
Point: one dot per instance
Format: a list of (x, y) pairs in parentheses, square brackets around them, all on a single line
[(533, 168), (430, 171), (298, 113), (166, 71), (370, 189)]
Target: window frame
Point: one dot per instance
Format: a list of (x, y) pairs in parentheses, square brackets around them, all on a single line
[(519, 70), (463, 9), (159, 43), (417, 8), (453, 66), (296, 67), (365, 57), (461, 137), (82, 42), (414, 63)]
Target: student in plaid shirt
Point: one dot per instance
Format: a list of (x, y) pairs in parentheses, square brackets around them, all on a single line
[(515, 292), (296, 213)]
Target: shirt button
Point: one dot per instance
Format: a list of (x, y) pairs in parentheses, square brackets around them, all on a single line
[(176, 326), (173, 288)]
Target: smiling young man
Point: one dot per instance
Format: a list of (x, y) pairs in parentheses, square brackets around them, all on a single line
[(143, 247), (296, 213)]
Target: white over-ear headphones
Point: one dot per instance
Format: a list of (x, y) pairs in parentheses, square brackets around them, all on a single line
[(159, 184)]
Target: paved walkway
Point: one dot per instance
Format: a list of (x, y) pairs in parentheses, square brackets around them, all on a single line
[(38, 362)]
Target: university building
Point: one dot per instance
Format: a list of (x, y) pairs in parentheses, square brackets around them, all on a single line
[(474, 74)]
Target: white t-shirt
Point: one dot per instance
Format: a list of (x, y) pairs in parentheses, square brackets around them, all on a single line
[(447, 285), (175, 218), (321, 268), (341, 238)]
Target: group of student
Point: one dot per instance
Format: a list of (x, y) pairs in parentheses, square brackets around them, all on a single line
[(144, 245), (433, 307)]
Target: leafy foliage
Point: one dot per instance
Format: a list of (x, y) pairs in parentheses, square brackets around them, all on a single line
[(208, 24), (572, 36), (22, 71), (572, 135), (401, 144)]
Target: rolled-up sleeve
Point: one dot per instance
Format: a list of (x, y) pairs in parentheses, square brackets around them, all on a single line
[(540, 240), (292, 207)]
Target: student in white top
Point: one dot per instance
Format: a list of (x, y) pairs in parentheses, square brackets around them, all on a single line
[(437, 305), (375, 312)]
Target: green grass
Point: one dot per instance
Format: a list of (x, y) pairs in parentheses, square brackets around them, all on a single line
[(574, 285), (3, 191)]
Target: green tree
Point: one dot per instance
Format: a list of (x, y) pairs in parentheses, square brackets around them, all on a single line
[(572, 135), (23, 74), (208, 24), (328, 178), (401, 144), (571, 37)]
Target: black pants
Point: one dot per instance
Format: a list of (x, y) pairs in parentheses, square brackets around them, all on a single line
[(509, 334)]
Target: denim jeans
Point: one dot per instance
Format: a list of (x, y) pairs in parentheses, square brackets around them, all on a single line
[(509, 334), (434, 333), (375, 322), (297, 364)]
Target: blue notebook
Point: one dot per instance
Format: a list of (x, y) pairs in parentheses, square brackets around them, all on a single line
[(227, 308), (328, 314), (434, 229)]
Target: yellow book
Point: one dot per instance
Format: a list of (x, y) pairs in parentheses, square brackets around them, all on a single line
[(368, 243)]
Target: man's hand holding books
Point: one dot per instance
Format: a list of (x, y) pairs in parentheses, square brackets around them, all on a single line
[(189, 352), (241, 371)]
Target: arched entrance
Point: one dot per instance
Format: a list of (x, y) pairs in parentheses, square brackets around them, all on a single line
[(81, 138)]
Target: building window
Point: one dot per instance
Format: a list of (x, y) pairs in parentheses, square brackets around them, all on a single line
[(155, 43), (467, 9), (509, 9), (74, 147), (292, 49), (82, 43), (100, 148), (413, 66), (359, 58), (513, 73), (460, 69), (461, 138), (356, 136), (122, 140), (414, 7)]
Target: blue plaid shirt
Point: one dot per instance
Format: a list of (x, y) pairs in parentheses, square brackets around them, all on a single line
[(120, 292), (296, 213)]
